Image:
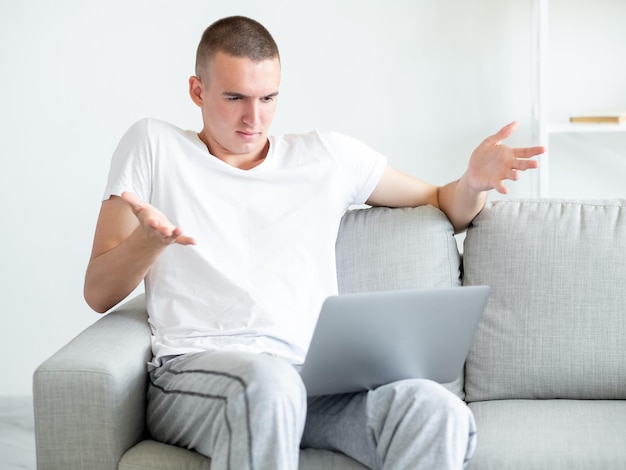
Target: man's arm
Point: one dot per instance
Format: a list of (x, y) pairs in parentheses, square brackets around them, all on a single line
[(130, 236), (490, 165)]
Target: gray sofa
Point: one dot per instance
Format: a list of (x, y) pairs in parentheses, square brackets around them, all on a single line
[(546, 376)]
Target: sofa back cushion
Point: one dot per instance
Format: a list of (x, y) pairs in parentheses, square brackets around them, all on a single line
[(555, 323), (390, 249)]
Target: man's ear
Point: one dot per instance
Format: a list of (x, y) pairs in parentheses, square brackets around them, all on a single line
[(195, 90)]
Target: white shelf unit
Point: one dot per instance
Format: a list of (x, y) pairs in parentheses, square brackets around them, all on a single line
[(542, 127), (569, 128)]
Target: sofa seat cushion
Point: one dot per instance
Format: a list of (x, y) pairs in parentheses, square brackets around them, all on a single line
[(154, 455), (550, 435), (555, 323)]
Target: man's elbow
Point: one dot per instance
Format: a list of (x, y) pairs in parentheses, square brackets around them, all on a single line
[(95, 303)]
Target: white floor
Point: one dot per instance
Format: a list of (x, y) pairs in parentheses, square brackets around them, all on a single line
[(17, 434)]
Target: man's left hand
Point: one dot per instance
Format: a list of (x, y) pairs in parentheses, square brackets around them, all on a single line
[(492, 163)]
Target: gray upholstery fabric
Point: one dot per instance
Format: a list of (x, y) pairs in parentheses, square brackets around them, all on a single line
[(550, 435), (157, 456), (555, 323), (388, 249), (90, 396), (154, 455)]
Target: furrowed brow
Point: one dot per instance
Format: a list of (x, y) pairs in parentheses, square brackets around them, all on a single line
[(233, 94)]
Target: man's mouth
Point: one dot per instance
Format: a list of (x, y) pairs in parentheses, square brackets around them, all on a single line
[(247, 135)]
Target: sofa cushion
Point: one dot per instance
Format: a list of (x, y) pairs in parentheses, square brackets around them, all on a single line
[(555, 323), (549, 435), (389, 249), (154, 455), (157, 456)]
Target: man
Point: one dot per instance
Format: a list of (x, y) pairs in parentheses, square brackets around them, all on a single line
[(232, 309)]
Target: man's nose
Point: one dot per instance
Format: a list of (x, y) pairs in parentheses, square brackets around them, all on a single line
[(251, 115)]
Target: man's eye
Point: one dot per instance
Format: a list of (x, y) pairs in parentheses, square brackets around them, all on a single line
[(267, 99), (234, 98)]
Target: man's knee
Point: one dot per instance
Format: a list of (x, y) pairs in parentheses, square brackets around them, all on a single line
[(425, 394), (421, 424), (417, 405), (275, 381)]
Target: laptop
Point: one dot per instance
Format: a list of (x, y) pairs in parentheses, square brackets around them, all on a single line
[(365, 340)]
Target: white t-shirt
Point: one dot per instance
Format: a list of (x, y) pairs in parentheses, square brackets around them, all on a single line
[(265, 255)]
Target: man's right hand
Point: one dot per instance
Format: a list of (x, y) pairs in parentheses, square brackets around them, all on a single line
[(155, 225)]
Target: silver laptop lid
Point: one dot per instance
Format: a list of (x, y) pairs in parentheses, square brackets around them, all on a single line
[(362, 341)]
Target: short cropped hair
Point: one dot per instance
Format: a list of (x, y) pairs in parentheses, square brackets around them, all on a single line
[(237, 36)]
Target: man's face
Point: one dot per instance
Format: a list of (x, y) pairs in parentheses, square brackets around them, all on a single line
[(238, 98)]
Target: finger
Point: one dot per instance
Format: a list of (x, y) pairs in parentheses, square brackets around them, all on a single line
[(501, 188), (504, 133), (529, 152), (185, 240), (524, 165), (181, 239)]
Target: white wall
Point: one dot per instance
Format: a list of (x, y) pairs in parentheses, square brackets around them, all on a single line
[(420, 80)]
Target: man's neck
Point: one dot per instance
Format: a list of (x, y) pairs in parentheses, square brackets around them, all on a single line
[(245, 161)]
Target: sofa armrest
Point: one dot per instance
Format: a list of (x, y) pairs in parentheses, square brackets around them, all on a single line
[(90, 396)]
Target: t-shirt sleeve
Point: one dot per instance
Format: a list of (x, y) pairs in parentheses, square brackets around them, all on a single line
[(360, 167), (131, 164)]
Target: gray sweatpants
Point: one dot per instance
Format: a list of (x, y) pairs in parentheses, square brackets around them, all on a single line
[(250, 412)]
